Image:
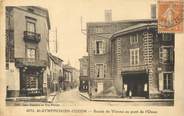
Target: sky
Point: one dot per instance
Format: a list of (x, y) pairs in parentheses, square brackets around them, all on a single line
[(65, 16)]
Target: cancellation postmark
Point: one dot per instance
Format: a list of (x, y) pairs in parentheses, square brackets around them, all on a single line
[(170, 16)]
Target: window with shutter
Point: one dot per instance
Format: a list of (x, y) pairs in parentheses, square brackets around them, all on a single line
[(168, 81), (105, 70), (167, 37), (166, 54), (100, 70), (100, 47)]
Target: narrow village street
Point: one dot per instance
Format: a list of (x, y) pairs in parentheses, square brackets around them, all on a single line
[(72, 95)]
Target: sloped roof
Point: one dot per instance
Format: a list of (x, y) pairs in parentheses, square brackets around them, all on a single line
[(55, 59), (134, 28), (123, 21)]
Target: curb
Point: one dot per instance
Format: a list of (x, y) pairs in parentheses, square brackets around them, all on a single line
[(32, 99), (52, 99), (127, 100), (85, 97)]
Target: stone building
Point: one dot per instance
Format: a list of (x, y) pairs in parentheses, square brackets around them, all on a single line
[(143, 61), (56, 73), (83, 78), (67, 78), (27, 35), (99, 55), (71, 77)]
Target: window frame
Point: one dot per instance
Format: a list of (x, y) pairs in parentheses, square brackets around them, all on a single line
[(32, 21), (134, 39), (35, 54), (27, 25), (104, 71), (170, 59), (29, 84), (103, 47), (167, 34), (134, 57), (166, 85)]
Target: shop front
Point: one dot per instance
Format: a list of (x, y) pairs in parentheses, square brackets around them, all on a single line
[(31, 81)]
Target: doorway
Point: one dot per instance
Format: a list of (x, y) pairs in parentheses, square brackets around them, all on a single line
[(137, 84)]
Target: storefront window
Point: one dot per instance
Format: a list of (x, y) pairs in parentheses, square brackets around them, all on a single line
[(32, 82)]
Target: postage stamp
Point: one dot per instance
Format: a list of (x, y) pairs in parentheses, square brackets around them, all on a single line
[(170, 16)]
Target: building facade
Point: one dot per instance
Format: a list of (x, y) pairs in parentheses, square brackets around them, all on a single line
[(27, 34), (113, 61), (83, 78), (71, 77), (56, 73), (143, 61), (67, 78), (99, 53)]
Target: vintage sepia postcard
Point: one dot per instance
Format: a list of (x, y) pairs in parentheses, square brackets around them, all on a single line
[(91, 57)]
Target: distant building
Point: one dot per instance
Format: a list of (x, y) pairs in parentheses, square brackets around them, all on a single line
[(83, 78), (71, 77), (56, 73), (67, 78), (27, 34)]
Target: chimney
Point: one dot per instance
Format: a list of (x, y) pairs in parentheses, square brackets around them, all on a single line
[(108, 15), (153, 11)]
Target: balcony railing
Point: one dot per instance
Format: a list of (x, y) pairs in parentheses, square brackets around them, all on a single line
[(31, 36), (21, 62), (135, 68)]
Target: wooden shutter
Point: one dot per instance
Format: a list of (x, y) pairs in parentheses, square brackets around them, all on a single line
[(161, 82), (160, 54), (96, 71), (104, 46), (93, 46), (105, 70), (131, 39), (171, 55)]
